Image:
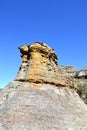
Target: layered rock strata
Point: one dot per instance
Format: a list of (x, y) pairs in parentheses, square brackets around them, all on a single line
[(80, 80), (39, 65), (40, 97)]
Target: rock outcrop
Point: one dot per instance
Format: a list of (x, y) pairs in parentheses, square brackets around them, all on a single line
[(42, 96), (81, 82), (39, 65), (82, 89), (82, 73), (71, 70)]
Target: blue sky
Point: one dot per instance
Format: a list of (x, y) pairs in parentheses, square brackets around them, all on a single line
[(62, 24)]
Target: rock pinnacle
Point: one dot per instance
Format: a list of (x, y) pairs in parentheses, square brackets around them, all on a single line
[(39, 65)]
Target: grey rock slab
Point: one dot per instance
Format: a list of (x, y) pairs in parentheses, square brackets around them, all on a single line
[(47, 107)]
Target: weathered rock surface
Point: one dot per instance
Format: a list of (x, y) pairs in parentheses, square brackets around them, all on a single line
[(42, 96), (82, 73), (71, 70), (39, 65), (82, 88), (81, 82), (31, 106)]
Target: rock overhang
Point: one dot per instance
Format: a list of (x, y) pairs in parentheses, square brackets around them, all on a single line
[(39, 65), (37, 102), (39, 48)]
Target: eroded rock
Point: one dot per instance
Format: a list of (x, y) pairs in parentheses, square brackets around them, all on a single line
[(40, 97), (82, 73), (39, 64)]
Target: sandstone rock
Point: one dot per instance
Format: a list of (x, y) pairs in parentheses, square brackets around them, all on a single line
[(24, 49), (81, 83), (82, 89), (32, 106), (39, 64), (80, 80), (82, 73), (41, 97), (71, 70)]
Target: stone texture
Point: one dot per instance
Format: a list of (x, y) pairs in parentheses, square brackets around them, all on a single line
[(42, 96), (82, 73), (32, 106), (82, 88), (39, 64), (81, 82), (71, 70)]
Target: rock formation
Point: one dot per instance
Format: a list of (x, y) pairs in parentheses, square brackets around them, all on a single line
[(39, 65), (81, 82), (42, 96), (71, 70), (82, 73)]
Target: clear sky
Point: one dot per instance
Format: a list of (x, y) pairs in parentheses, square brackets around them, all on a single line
[(62, 24)]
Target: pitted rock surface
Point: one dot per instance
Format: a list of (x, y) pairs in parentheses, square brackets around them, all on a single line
[(40, 97), (39, 64)]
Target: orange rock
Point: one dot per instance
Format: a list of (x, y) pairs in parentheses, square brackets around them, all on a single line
[(24, 58), (42, 66)]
